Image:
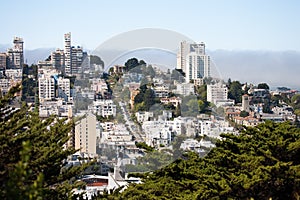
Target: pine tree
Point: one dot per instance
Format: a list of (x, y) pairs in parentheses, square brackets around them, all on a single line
[(263, 162), (32, 152)]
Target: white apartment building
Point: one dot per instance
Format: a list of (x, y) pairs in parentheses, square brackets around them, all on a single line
[(104, 108), (85, 134), (58, 107), (46, 88), (193, 61), (15, 54), (63, 87), (143, 116), (185, 89), (76, 59), (68, 54), (197, 66), (217, 92)]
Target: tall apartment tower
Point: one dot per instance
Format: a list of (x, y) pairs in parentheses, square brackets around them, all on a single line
[(181, 55), (193, 61), (15, 54), (77, 59), (18, 51), (197, 66), (68, 54), (58, 59), (85, 134)]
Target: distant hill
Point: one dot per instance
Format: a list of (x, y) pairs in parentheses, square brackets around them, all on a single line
[(35, 55)]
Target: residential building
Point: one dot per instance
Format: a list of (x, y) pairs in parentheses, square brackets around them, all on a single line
[(15, 54), (193, 61), (197, 66), (175, 101), (3, 61), (143, 116), (185, 89), (216, 92), (68, 54), (46, 88), (184, 49), (85, 134), (57, 107), (63, 87), (104, 108), (58, 59), (76, 59)]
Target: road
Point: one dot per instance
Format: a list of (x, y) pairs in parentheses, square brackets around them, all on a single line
[(133, 128)]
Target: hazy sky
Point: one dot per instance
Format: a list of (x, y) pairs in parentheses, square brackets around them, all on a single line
[(221, 24)]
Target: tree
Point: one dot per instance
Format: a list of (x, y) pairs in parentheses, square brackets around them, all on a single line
[(96, 60), (263, 86), (262, 162), (150, 71), (235, 91), (131, 63), (295, 101), (244, 113), (32, 152)]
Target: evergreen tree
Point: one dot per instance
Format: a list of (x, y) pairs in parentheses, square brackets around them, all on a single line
[(32, 152), (262, 162)]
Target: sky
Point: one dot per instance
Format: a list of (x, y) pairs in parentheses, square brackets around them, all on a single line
[(222, 24)]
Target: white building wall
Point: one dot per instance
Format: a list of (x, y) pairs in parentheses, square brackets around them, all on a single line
[(85, 134), (46, 88), (216, 92)]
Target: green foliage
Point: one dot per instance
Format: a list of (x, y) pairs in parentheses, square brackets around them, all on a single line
[(96, 60), (263, 86), (32, 153), (144, 99), (295, 101), (235, 91), (143, 145), (244, 113), (262, 162), (131, 63)]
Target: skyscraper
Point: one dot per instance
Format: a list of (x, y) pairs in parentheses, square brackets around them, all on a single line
[(193, 61), (68, 54), (58, 59), (77, 59), (197, 66), (16, 55)]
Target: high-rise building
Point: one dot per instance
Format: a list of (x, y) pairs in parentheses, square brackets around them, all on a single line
[(63, 87), (58, 59), (76, 59), (181, 56), (85, 134), (46, 88), (197, 66), (3, 61), (15, 54), (193, 61), (68, 54)]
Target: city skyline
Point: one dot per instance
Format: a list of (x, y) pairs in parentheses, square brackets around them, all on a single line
[(228, 25)]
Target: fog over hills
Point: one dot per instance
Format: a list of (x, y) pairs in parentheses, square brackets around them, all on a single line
[(277, 68)]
